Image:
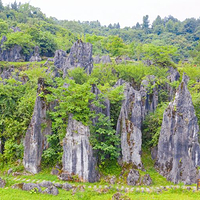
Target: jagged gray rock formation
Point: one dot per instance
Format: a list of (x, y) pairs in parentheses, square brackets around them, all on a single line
[(133, 177), (36, 56), (31, 186), (178, 147), (103, 101), (35, 140), (173, 76), (129, 127), (97, 59), (80, 56), (78, 154), (60, 59), (149, 97), (105, 59), (13, 54)]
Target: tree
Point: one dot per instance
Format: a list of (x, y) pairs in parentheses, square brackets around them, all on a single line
[(145, 25), (1, 6)]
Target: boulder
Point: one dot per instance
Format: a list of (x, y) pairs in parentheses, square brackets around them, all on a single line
[(146, 180), (133, 177), (45, 184), (2, 183), (80, 56), (120, 196), (67, 186), (129, 127), (106, 59), (18, 186), (118, 60), (35, 140), (6, 73), (36, 56), (78, 156), (97, 59), (51, 190), (178, 146), (65, 177), (31, 186)]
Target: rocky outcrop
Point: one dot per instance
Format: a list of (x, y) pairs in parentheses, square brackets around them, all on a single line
[(149, 95), (129, 127), (12, 54), (105, 59), (97, 59), (77, 152), (36, 56), (134, 178), (178, 147), (35, 140), (60, 59), (173, 76), (80, 56), (51, 190), (104, 106), (31, 186)]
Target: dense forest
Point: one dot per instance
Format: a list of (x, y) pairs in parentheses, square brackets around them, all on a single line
[(71, 118)]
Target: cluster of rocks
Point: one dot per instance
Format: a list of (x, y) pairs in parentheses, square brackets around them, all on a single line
[(104, 59), (134, 178)]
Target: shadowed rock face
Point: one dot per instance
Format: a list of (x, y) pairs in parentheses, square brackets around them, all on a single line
[(12, 55), (178, 147), (173, 76), (35, 57), (78, 154), (129, 126), (149, 100), (97, 59), (60, 59), (103, 101), (80, 56), (35, 140)]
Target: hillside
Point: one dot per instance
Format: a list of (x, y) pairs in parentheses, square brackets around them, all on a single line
[(97, 111)]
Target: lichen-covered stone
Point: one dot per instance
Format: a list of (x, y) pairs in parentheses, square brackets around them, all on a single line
[(97, 59), (2, 183), (35, 139), (60, 59), (178, 146), (78, 156), (133, 177), (31, 186), (51, 190), (129, 126)]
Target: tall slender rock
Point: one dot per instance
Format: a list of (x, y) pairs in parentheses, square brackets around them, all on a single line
[(129, 126), (35, 140), (178, 147), (78, 156)]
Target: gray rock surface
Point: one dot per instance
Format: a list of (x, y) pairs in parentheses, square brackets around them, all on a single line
[(36, 56), (2, 183), (129, 127), (133, 177), (103, 102), (60, 59), (173, 76), (35, 139), (67, 186), (146, 180), (12, 54), (105, 59), (80, 56), (45, 184), (31, 186), (51, 190), (78, 154), (149, 96), (97, 59), (178, 147)]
